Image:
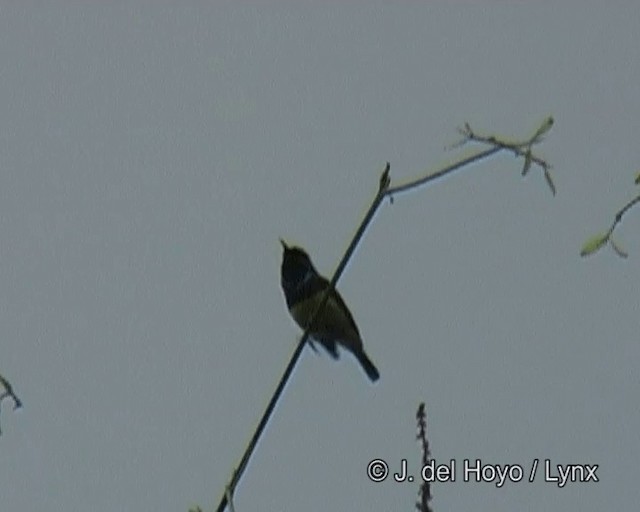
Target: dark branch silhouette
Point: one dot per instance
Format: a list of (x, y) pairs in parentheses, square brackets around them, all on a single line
[(598, 241), (520, 149), (8, 393), (424, 494)]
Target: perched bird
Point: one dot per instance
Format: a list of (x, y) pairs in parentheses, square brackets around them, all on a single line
[(303, 289)]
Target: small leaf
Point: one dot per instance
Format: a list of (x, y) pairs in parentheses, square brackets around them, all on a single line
[(593, 244), (547, 176), (544, 128), (619, 251)]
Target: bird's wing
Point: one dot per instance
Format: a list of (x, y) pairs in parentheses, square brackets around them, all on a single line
[(335, 296)]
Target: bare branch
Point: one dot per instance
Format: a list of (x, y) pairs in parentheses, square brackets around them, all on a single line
[(596, 242), (518, 148), (237, 474), (8, 392), (425, 489), (384, 190)]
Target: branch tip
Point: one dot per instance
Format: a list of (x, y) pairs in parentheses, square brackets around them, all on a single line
[(385, 181)]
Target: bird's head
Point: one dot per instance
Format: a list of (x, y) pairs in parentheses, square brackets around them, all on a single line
[(296, 266)]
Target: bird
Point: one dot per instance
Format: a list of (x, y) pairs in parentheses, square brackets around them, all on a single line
[(303, 289)]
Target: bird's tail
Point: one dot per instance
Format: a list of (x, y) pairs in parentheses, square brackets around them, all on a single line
[(369, 368)]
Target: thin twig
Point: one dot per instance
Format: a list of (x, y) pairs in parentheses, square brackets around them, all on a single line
[(598, 241), (425, 488), (237, 475), (384, 190), (617, 220), (443, 172), (622, 211), (8, 392), (519, 148)]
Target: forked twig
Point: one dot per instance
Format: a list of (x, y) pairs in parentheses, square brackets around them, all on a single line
[(522, 149), (518, 148), (8, 392), (598, 241)]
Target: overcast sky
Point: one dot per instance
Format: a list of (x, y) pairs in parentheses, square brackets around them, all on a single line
[(152, 156)]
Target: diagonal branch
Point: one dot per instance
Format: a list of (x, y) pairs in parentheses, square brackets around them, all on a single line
[(518, 148), (237, 474), (522, 149)]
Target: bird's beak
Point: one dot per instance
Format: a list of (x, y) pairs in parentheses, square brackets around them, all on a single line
[(284, 246)]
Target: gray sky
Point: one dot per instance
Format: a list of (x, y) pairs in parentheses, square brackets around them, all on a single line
[(151, 157)]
